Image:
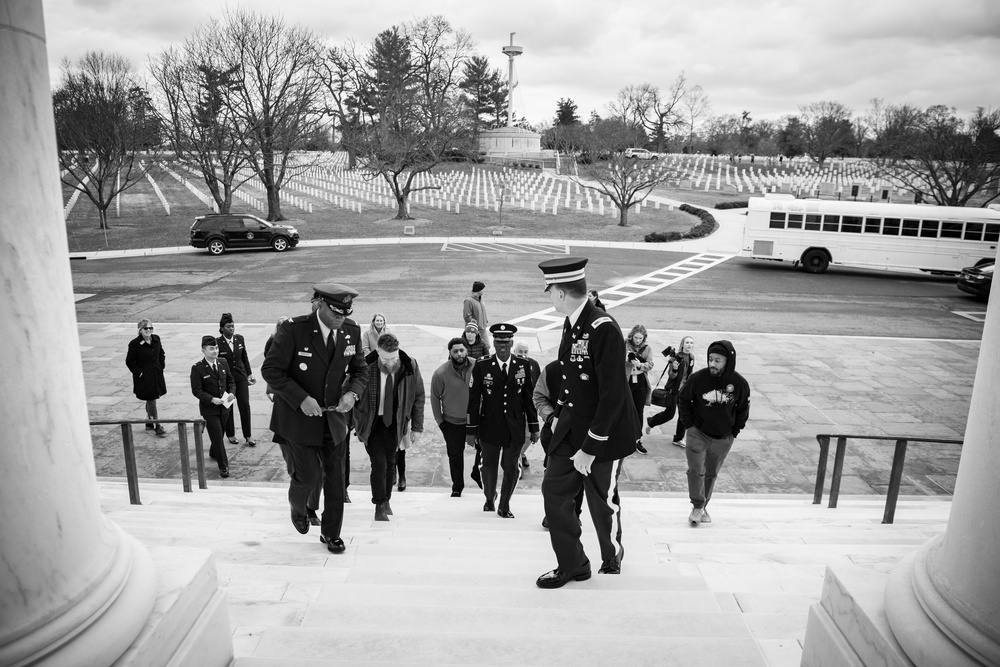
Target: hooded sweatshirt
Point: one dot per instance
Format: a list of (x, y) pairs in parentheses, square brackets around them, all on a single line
[(717, 406)]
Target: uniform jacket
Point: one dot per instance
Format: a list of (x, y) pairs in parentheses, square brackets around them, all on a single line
[(594, 410), (146, 362), (717, 406), (499, 412), (206, 385), (297, 365), (408, 401), (236, 356)]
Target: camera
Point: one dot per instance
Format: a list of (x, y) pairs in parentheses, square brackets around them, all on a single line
[(632, 356), (669, 351)]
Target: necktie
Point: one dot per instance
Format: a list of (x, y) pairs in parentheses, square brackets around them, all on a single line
[(503, 371), (331, 344), (387, 401)]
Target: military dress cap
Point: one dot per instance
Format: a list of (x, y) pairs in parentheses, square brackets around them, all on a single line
[(502, 330), (562, 270), (209, 341), (225, 319), (340, 298)]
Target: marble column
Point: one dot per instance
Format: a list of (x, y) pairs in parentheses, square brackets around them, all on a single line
[(943, 602), (74, 588)]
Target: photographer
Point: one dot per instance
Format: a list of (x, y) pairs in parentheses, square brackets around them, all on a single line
[(638, 362), (680, 364)]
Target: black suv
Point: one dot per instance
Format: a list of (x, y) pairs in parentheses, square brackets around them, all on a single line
[(221, 231)]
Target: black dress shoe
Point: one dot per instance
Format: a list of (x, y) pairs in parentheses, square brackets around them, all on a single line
[(557, 578), (524, 462), (300, 522), (250, 442), (313, 519), (347, 498), (223, 472), (233, 441), (610, 567), (456, 494), (380, 513), (333, 545), (476, 477), (489, 507), (545, 522), (506, 514), (402, 484)]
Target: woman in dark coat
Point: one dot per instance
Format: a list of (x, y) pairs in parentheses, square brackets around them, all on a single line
[(146, 361)]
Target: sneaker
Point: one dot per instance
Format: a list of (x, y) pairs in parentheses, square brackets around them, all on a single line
[(704, 516), (679, 443), (160, 431), (639, 448), (696, 516)]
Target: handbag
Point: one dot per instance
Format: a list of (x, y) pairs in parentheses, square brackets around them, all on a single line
[(661, 397)]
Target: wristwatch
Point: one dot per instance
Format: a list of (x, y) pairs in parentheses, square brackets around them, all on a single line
[(356, 397)]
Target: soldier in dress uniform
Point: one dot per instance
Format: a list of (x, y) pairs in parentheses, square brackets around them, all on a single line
[(211, 378), (500, 407), (316, 371), (594, 427)]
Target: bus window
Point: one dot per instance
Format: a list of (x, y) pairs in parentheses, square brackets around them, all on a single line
[(831, 223), (891, 227), (873, 225), (852, 224), (777, 220), (992, 233), (929, 229), (951, 230), (973, 231), (812, 222), (910, 227), (795, 221)]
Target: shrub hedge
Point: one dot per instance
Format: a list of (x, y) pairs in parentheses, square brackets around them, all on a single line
[(732, 204), (702, 229)]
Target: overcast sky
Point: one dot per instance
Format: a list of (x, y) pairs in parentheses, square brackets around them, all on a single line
[(765, 56)]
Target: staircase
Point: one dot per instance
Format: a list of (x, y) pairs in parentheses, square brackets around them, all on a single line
[(444, 583)]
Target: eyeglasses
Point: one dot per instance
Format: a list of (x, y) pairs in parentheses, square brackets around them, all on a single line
[(147, 328)]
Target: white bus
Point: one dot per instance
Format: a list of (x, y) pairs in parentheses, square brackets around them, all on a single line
[(818, 233)]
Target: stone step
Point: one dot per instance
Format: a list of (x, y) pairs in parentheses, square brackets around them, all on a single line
[(443, 575)]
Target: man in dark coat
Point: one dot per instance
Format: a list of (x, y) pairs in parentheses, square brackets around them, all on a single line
[(211, 379), (391, 409), (233, 349), (317, 372), (594, 427), (521, 352), (500, 410)]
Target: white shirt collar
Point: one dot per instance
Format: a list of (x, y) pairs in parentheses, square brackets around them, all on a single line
[(576, 314), (325, 330)]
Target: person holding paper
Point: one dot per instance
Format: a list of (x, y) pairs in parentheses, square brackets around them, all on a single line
[(212, 383)]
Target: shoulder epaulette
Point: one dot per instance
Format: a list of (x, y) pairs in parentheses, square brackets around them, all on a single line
[(599, 321)]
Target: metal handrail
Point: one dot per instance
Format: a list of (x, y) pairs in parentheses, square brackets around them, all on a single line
[(895, 475), (128, 446)]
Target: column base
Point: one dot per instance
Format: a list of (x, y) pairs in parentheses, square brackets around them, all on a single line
[(189, 624), (848, 627)]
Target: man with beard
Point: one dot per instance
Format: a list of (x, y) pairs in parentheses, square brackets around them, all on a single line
[(714, 405), (390, 408), (449, 402)]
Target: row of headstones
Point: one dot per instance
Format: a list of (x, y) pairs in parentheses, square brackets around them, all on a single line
[(202, 197), (156, 189)]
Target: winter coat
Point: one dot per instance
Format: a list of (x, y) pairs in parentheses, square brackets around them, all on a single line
[(408, 401), (146, 362), (717, 406)]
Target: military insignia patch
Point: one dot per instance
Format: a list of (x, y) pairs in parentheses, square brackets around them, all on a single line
[(584, 377), (580, 348), (349, 351), (599, 321)]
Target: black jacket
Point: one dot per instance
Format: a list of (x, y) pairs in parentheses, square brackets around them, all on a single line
[(498, 412), (236, 357), (146, 362), (717, 406), (206, 385)]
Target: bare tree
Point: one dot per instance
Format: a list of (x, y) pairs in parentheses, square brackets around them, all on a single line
[(276, 95), (103, 120), (696, 106), (656, 111), (828, 129), (937, 155), (627, 181), (195, 85)]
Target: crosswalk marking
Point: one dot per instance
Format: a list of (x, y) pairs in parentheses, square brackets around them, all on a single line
[(528, 248), (547, 319)]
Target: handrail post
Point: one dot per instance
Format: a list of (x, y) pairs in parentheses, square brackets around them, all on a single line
[(199, 453), (131, 474), (182, 438), (895, 479), (824, 451), (838, 470)]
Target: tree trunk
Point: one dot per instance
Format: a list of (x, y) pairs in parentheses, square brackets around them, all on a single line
[(623, 216), (273, 203), (102, 215), (401, 212)]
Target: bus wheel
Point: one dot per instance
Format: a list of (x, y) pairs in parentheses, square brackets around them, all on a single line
[(815, 261)]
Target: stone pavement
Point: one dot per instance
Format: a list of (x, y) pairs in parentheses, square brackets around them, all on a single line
[(801, 386)]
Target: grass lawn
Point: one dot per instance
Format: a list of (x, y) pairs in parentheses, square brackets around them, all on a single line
[(143, 222)]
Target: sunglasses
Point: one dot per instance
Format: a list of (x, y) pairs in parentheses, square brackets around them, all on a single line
[(147, 328)]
